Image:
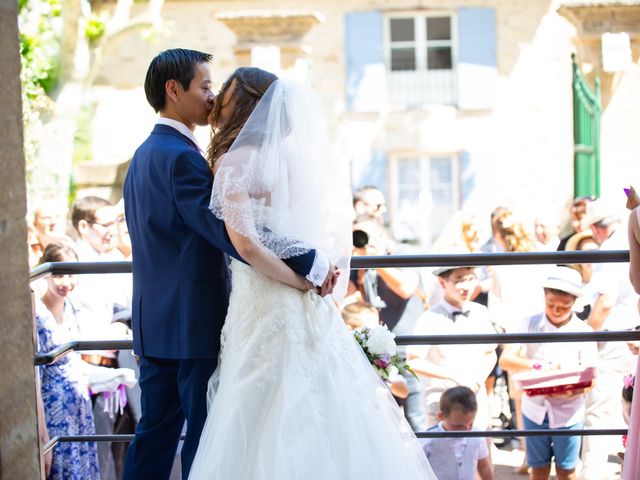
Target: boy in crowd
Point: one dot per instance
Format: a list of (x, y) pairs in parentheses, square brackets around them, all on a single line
[(557, 411), (458, 458), (444, 366)]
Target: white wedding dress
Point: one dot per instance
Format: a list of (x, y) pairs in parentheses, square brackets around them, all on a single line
[(294, 397)]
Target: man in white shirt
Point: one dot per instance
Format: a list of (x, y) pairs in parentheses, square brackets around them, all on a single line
[(94, 219)]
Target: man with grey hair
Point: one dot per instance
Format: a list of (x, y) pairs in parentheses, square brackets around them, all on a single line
[(615, 307)]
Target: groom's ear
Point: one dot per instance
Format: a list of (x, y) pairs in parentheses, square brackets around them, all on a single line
[(171, 90)]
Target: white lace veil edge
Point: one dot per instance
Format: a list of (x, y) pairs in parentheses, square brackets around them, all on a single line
[(282, 185)]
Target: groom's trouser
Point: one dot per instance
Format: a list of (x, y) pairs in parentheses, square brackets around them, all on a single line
[(172, 391)]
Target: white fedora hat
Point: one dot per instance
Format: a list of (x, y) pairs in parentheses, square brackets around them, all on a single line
[(599, 210), (564, 279), (452, 250)]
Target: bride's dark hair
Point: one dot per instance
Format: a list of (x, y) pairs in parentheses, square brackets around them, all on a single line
[(251, 84)]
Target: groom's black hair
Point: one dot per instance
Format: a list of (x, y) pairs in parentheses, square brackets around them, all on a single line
[(176, 64)]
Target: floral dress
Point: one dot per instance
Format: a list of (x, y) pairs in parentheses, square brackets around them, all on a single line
[(66, 400)]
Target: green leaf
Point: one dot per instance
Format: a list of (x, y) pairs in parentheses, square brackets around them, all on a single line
[(95, 28), (407, 368)]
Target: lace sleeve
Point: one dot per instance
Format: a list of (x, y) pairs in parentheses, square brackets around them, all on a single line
[(281, 185)]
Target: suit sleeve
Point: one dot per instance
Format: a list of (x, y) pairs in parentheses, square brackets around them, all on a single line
[(191, 183)]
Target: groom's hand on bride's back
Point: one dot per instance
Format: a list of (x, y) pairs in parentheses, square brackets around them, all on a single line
[(329, 282)]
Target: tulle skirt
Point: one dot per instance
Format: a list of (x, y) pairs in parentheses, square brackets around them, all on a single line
[(294, 397)]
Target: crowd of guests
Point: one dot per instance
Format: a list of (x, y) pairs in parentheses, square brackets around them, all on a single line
[(86, 393), (511, 299)]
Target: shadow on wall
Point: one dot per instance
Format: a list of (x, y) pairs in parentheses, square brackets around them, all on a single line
[(101, 179)]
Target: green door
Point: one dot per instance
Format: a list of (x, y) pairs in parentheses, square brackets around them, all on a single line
[(586, 135)]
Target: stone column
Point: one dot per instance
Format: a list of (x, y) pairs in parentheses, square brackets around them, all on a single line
[(284, 30), (19, 458), (591, 20)]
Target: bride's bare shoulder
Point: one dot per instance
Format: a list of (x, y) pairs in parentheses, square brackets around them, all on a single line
[(234, 158)]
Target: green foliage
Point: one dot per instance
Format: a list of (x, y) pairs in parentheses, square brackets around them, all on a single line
[(95, 27), (73, 191), (82, 140), (81, 144), (40, 25)]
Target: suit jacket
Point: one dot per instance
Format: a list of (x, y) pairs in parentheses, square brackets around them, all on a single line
[(181, 280)]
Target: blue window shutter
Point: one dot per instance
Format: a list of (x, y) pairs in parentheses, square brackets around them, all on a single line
[(371, 168), (467, 177), (365, 89), (477, 58)]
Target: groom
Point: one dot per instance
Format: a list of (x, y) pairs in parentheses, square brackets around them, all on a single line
[(181, 281)]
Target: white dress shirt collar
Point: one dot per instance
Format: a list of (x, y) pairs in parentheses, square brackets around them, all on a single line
[(180, 127), (450, 308)]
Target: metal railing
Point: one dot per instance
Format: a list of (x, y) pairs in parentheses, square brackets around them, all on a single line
[(128, 437), (398, 261), (502, 338), (387, 261)]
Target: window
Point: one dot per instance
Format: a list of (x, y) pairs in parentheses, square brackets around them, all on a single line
[(424, 193), (420, 59), (420, 43)]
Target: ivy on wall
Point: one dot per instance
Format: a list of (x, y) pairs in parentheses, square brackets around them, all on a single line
[(40, 25)]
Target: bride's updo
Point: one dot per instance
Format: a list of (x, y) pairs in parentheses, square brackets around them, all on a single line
[(251, 84)]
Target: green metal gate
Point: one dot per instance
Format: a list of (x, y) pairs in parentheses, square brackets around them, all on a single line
[(586, 135)]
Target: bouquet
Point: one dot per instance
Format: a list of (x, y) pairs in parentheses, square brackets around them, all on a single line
[(379, 346)]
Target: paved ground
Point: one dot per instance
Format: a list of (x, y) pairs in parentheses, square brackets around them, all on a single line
[(506, 460)]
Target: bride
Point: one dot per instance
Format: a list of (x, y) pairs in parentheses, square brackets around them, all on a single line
[(293, 397)]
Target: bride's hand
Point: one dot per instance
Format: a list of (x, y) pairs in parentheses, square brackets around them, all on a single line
[(304, 284), (330, 282)]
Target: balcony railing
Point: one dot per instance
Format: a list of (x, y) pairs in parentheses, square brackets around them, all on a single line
[(415, 87)]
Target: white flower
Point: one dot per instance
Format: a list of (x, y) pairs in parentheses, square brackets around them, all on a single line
[(381, 341)]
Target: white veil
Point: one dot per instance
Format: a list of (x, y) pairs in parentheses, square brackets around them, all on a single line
[(281, 185)]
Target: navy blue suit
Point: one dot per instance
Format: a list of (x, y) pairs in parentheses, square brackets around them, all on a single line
[(181, 286)]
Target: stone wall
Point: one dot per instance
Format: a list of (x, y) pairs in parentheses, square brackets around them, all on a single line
[(524, 144)]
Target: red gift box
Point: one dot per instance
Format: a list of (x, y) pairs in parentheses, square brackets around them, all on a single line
[(548, 382)]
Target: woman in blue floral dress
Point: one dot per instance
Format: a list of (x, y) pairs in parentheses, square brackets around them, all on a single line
[(65, 393)]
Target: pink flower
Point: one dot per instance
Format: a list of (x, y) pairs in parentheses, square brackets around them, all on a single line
[(382, 361), (628, 381)]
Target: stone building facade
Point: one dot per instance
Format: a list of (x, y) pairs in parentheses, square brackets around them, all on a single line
[(447, 105)]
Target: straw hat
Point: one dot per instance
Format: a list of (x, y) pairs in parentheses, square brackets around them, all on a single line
[(599, 210), (575, 239)]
